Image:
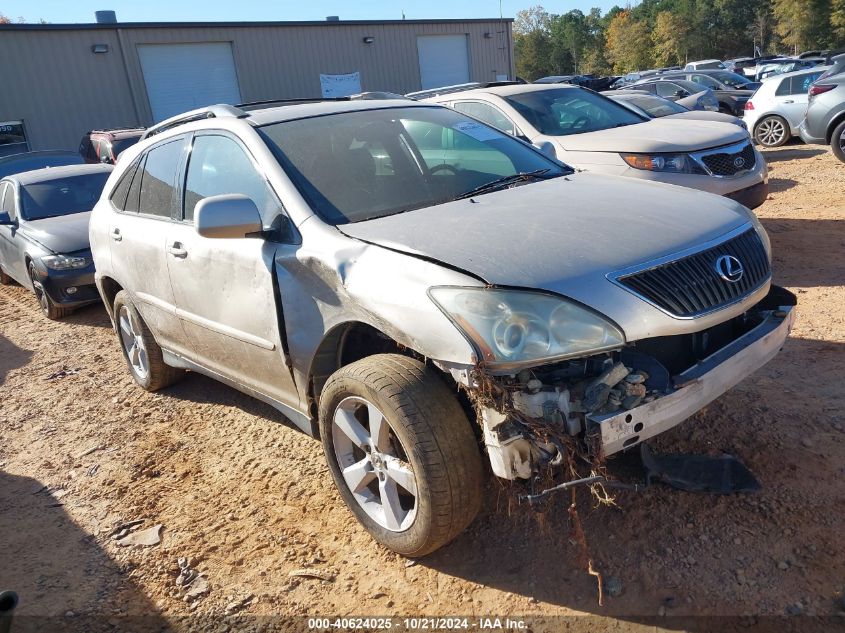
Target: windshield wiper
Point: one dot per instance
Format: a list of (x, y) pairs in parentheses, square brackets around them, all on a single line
[(504, 181)]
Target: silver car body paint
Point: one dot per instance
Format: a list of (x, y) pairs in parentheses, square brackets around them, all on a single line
[(568, 236)]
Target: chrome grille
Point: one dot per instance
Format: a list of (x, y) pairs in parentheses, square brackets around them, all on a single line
[(691, 286), (728, 163)]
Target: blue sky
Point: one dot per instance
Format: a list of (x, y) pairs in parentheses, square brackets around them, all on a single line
[(60, 11)]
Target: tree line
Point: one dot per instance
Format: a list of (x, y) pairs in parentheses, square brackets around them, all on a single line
[(658, 33)]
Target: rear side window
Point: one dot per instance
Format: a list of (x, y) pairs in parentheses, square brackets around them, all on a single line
[(158, 178), (219, 166), (120, 192), (491, 115), (784, 88)]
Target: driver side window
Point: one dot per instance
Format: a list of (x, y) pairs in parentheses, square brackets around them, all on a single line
[(7, 199), (491, 115), (667, 89)]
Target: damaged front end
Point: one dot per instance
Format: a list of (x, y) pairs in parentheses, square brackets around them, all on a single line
[(614, 400)]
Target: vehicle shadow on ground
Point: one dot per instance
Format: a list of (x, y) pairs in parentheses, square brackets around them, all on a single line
[(778, 185), (57, 568), (662, 543), (11, 357), (791, 153), (94, 315), (805, 250), (202, 389)]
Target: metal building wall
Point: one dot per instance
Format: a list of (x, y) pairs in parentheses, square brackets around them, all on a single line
[(61, 89)]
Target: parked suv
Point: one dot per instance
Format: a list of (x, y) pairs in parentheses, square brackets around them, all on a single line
[(406, 282), (590, 131), (776, 110), (104, 146), (825, 118)]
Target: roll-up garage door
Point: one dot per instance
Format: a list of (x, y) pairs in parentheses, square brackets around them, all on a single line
[(182, 77), (444, 60)]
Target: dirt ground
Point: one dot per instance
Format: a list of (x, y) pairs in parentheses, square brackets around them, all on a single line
[(248, 500)]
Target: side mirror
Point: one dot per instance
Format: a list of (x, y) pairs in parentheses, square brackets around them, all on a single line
[(5, 220), (547, 148), (105, 159), (680, 94), (230, 216)]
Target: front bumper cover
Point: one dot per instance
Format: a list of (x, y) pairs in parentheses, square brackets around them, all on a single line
[(696, 387)]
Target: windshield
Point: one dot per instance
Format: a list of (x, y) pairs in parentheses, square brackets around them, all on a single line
[(732, 80), (565, 111), (356, 166), (657, 107), (62, 196)]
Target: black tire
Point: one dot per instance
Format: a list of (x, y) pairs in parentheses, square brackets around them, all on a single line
[(766, 131), (837, 141), (435, 436), (159, 374), (50, 309)]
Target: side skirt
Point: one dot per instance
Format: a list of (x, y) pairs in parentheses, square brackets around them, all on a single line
[(300, 420)]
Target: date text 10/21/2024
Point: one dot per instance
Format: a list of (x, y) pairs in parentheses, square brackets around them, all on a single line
[(418, 624)]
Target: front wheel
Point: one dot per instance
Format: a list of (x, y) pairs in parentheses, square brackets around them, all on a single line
[(772, 131), (401, 452), (50, 309), (837, 142)]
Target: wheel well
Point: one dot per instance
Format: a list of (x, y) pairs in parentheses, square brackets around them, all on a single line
[(833, 123), (110, 289)]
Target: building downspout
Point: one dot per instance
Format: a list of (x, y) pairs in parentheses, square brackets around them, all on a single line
[(132, 94)]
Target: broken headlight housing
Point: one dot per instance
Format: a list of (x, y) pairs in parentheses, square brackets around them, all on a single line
[(666, 163), (65, 262), (512, 327)]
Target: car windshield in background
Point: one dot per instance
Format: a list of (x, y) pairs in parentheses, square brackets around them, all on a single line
[(62, 196), (731, 80), (356, 166), (121, 144), (657, 107), (565, 111)]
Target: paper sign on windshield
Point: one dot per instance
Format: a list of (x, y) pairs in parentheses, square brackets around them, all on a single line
[(477, 131)]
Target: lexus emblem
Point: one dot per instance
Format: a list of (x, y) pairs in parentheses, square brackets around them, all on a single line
[(739, 162), (729, 268)]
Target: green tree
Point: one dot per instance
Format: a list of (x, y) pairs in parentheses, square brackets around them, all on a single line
[(628, 43), (803, 24), (571, 37), (671, 39), (837, 22)]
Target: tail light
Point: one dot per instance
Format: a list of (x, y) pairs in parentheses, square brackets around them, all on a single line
[(749, 105), (818, 89)]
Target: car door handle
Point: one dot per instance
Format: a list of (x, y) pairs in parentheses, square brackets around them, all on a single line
[(115, 235), (176, 250), (789, 101)]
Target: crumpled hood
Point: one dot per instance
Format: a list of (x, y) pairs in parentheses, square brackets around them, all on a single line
[(563, 235), (63, 234), (657, 135)]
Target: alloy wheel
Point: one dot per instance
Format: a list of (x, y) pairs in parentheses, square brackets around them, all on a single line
[(40, 293), (771, 132), (133, 343), (374, 464)]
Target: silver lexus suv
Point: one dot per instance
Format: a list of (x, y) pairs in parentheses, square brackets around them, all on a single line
[(416, 289)]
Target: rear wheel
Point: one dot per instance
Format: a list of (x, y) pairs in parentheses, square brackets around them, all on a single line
[(771, 131), (837, 141), (142, 353), (50, 310), (401, 452)]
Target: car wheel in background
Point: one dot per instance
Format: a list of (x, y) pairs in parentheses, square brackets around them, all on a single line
[(401, 452), (771, 131), (837, 141), (142, 353), (50, 310)]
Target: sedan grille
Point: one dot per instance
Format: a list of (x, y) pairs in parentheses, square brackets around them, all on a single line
[(730, 164), (693, 285)]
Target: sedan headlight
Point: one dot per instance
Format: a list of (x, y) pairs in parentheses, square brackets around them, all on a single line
[(65, 262), (517, 326), (668, 163)]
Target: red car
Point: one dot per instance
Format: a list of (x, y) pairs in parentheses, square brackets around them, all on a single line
[(103, 146)]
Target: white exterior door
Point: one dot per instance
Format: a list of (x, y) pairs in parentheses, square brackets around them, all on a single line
[(182, 77), (444, 60)]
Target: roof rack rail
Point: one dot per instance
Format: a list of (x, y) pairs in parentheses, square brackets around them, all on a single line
[(445, 90), (211, 112), (291, 100)]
